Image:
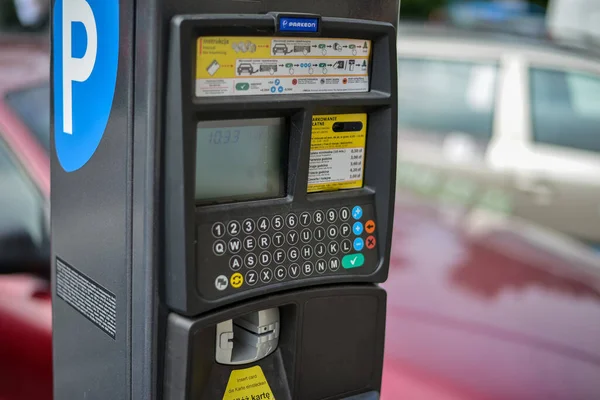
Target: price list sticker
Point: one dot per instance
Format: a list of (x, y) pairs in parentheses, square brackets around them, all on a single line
[(337, 152)]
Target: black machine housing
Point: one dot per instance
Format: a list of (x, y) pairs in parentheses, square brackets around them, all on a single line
[(189, 266)]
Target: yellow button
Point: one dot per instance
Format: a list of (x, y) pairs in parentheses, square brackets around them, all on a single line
[(236, 280)]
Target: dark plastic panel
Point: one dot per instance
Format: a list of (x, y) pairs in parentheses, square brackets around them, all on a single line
[(330, 346), (189, 271)]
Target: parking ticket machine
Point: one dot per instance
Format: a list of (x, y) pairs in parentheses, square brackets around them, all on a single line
[(223, 179)]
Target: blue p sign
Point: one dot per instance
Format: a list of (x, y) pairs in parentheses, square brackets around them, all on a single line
[(86, 55)]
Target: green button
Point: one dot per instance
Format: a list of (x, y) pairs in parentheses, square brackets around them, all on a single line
[(242, 86), (353, 261)]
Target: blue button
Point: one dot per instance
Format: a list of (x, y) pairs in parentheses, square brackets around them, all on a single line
[(357, 228), (280, 89), (273, 89), (357, 212), (358, 244), (277, 82)]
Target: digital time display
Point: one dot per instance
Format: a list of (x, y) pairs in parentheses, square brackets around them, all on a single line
[(241, 160)]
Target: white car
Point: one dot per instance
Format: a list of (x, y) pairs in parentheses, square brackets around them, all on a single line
[(503, 123)]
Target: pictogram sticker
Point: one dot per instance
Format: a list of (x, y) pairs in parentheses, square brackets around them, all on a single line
[(238, 66)]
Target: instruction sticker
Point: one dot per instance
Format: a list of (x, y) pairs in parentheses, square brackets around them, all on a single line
[(248, 384), (238, 66), (337, 152)]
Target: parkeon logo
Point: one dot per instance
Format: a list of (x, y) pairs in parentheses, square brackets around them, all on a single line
[(85, 60)]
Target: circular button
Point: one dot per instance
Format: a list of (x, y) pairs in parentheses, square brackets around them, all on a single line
[(346, 246), (371, 242), (334, 264), (236, 280), (279, 256), (278, 239), (251, 277), (264, 258), (306, 235), (250, 260), (320, 249), (248, 226), (345, 230), (332, 232), (321, 266), (280, 273), (292, 237), (266, 275), (307, 252), (308, 268), (305, 218), (221, 282), (357, 228), (264, 241), (294, 270), (235, 263), (263, 224), (345, 214), (234, 245), (219, 248), (333, 248), (320, 233), (357, 212), (331, 215), (218, 230), (249, 243), (370, 226), (291, 220), (277, 222), (359, 244), (318, 217), (233, 227), (293, 254)]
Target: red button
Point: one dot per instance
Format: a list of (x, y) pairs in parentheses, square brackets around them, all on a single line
[(371, 242)]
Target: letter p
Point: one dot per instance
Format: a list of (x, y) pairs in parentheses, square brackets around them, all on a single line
[(76, 69)]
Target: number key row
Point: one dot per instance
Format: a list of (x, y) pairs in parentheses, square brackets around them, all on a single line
[(277, 222)]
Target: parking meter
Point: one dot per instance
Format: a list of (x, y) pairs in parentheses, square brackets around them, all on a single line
[(222, 198)]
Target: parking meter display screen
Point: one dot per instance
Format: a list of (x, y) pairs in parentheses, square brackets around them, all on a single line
[(241, 160)]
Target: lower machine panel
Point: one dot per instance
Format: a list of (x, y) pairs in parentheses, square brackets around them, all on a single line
[(338, 331)]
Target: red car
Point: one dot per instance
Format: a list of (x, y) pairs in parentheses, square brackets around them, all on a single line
[(479, 307), (25, 313)]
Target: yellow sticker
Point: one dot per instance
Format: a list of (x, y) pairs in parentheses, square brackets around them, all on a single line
[(248, 384), (337, 152), (237, 66)]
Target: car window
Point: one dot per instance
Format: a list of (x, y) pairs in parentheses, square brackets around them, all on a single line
[(32, 105), (443, 96), (21, 204), (565, 108)]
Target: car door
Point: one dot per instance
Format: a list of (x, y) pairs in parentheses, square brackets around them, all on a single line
[(23, 218), (446, 112), (557, 167)]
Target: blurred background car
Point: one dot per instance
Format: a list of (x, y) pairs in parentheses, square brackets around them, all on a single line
[(25, 310), (490, 120)]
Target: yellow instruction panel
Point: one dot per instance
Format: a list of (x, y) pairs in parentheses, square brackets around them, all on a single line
[(247, 384), (237, 66), (337, 152)]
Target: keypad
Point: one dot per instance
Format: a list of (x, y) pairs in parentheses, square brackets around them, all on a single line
[(248, 252)]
